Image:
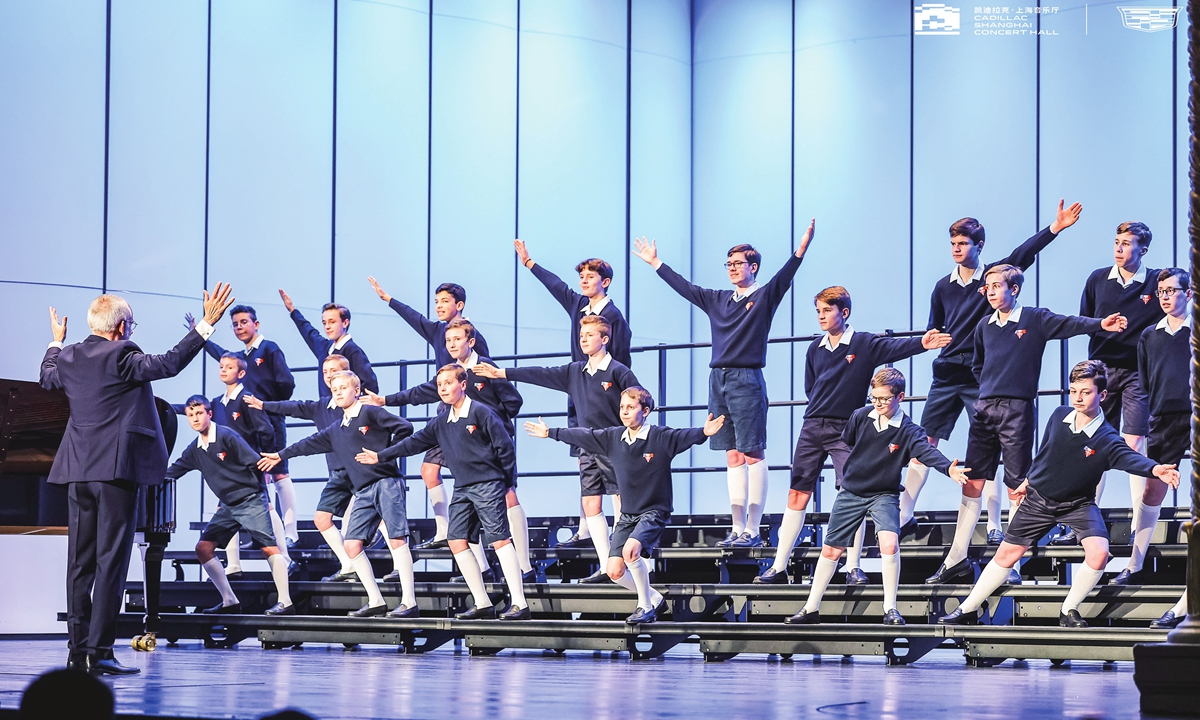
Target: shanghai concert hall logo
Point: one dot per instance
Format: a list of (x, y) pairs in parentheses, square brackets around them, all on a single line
[(935, 19), (1149, 19)]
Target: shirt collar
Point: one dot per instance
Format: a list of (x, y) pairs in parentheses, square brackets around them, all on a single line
[(1138, 277), (210, 437), (1013, 317), (843, 340), (630, 438), (471, 361), (229, 397), (893, 421), (254, 344), (1089, 429), (351, 413), (341, 343), (461, 412), (332, 404), (956, 278), (740, 294), (1164, 325), (589, 310), (592, 368)]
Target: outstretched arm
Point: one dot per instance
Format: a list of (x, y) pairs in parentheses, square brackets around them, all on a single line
[(136, 366)]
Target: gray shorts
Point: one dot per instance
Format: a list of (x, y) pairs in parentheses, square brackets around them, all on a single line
[(381, 500), (740, 394), (850, 509), (249, 515), (480, 508)]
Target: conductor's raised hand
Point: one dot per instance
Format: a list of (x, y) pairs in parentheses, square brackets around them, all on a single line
[(1115, 323), (1168, 474), (957, 474), (537, 429), (1064, 219), (287, 300), (378, 290), (933, 339), (712, 425), (522, 253), (806, 238), (252, 401), (647, 250), (217, 302), (367, 457), (268, 461), (58, 329), (370, 398)]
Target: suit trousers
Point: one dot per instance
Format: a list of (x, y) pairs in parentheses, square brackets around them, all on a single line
[(101, 519)]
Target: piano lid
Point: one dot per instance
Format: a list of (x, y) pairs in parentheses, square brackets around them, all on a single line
[(32, 423)]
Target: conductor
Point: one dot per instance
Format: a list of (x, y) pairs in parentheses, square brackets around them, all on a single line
[(112, 444)]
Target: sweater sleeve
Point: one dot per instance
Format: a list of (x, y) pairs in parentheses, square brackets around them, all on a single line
[(317, 444), (850, 432), (583, 438), (420, 441), (214, 350), (621, 341), (1065, 326), (1124, 458), (696, 295), (185, 464), (682, 439), (422, 394), (554, 378), (304, 409), (508, 397), (781, 282), (1087, 302), (1027, 252), (397, 427), (241, 451), (885, 350), (503, 446), (565, 296), (361, 365), (281, 374), (625, 378), (316, 342), (425, 327), (977, 359), (810, 374), (929, 456), (260, 424), (937, 311)]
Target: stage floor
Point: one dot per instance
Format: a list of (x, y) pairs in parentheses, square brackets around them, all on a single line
[(329, 681)]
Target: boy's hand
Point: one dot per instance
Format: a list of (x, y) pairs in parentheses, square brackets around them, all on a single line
[(189, 321), (957, 474), (216, 303), (1168, 474), (253, 402), (934, 339), (711, 426), (370, 398), (58, 329), (268, 461), (488, 371), (1114, 323), (1018, 495), (647, 251), (367, 457), (287, 301), (378, 290), (522, 253), (806, 238), (537, 429), (1065, 218)]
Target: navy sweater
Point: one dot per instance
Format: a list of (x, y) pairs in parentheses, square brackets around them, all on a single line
[(499, 395), (478, 447), (739, 329), (1069, 465), (1138, 303), (957, 310), (267, 374), (320, 346), (878, 457), (643, 469), (837, 382), (597, 397), (373, 429), (229, 467), (1165, 367), (1008, 360), (316, 410), (574, 303), (434, 332), (252, 424)]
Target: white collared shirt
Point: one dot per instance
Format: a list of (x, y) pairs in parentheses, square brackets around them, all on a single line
[(956, 275), (332, 404), (231, 396), (351, 413), (1138, 277), (471, 361), (740, 294), (460, 412), (210, 437), (1089, 429), (630, 438), (339, 344), (1164, 325), (592, 368), (589, 310), (254, 344), (1013, 317), (882, 423), (843, 340)]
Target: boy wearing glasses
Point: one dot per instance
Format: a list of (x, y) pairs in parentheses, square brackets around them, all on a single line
[(837, 374), (882, 440), (740, 321)]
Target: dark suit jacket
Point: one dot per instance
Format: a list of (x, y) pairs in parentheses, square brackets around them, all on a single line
[(113, 432)]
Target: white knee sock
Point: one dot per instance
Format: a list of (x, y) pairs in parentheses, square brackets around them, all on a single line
[(287, 506), (584, 531), (616, 503), (437, 501), (854, 552), (991, 498), (280, 534), (519, 525), (366, 575), (480, 556), (1083, 579), (511, 566), (639, 571), (403, 562), (216, 573), (279, 568), (821, 577), (968, 518), (338, 545), (346, 514), (469, 568), (992, 577), (1100, 487), (1180, 608), (738, 479), (756, 496), (1137, 488), (914, 480), (1144, 523), (891, 580), (597, 525), (233, 554), (789, 533)]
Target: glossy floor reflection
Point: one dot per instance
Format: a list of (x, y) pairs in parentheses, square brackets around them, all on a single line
[(376, 682)]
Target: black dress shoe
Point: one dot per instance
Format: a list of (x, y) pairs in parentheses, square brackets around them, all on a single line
[(234, 609), (293, 567), (78, 661), (804, 617), (435, 544), (856, 576), (1065, 538), (771, 576), (404, 612), (109, 666), (958, 617), (488, 577), (1125, 577), (280, 609), (515, 613), (892, 617), (340, 576), (995, 537), (1071, 619), (575, 542), (367, 611), (529, 578), (642, 616), (235, 575), (729, 539), (291, 543), (393, 577), (746, 540), (597, 578), (1014, 577), (1167, 621), (477, 613), (959, 570)]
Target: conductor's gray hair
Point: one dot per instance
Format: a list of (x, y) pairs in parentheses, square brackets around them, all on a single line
[(106, 313)]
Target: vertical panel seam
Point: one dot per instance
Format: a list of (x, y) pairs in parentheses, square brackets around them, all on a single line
[(628, 154), (207, 139), (517, 190), (107, 93), (333, 169), (429, 181)]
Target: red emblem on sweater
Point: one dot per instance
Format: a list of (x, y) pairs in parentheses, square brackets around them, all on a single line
[(605, 384), (221, 455), (983, 290), (478, 387), (258, 361), (749, 304), (1145, 299), (236, 414), (471, 429), (849, 358), (1020, 333), (364, 429), (1088, 452), (648, 456), (893, 447)]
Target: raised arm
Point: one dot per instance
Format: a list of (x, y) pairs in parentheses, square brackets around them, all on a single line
[(313, 338), (555, 378), (136, 366), (1027, 252), (1065, 326), (561, 292), (588, 439), (779, 284), (885, 350), (426, 328)]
